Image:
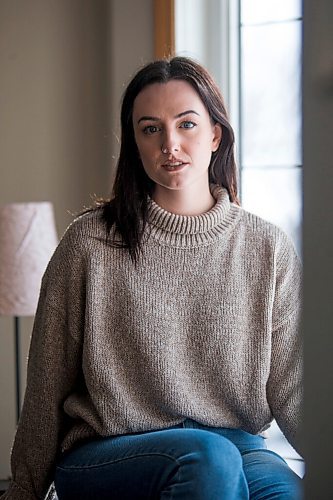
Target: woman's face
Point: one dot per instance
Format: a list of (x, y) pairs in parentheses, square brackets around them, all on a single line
[(174, 135)]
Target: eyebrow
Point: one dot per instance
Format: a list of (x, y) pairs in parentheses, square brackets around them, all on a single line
[(155, 119)]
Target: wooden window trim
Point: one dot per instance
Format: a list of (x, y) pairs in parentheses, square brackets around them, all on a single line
[(164, 28)]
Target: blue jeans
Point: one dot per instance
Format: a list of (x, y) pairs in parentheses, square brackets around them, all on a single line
[(188, 461)]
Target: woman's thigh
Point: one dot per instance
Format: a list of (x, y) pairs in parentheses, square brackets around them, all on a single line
[(173, 463), (269, 477)]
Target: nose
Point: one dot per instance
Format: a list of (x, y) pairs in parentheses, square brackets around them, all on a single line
[(170, 142)]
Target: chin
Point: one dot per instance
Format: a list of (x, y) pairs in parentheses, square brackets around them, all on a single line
[(174, 186)]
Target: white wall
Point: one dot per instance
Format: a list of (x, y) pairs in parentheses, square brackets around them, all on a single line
[(63, 66)]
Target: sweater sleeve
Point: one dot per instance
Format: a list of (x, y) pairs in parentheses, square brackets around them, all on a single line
[(53, 367), (285, 383)]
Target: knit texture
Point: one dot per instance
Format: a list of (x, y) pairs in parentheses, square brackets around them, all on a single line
[(205, 327)]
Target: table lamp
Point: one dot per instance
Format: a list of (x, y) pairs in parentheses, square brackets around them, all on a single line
[(28, 238)]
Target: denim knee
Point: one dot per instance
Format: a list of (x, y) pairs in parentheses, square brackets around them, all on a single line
[(210, 455), (211, 450), (214, 463), (269, 476)]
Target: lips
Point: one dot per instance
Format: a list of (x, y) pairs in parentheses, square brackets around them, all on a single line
[(174, 164), (174, 167)]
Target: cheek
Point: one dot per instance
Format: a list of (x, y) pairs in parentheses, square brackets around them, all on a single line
[(146, 148), (141, 149), (203, 146), (147, 157)]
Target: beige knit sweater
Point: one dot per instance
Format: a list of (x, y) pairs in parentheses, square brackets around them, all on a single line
[(204, 328)]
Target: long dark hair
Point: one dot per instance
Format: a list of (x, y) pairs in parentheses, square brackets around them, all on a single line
[(128, 208)]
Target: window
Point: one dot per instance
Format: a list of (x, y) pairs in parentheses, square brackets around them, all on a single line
[(253, 48), (270, 111)]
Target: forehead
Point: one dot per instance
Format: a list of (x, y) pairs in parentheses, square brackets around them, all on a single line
[(173, 97)]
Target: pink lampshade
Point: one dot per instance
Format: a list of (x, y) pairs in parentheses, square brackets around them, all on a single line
[(28, 238)]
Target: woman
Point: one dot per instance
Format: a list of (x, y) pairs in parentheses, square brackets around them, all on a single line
[(165, 339)]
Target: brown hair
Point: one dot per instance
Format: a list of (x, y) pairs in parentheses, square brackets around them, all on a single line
[(129, 206)]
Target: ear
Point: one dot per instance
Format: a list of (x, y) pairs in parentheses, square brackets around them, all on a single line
[(217, 136)]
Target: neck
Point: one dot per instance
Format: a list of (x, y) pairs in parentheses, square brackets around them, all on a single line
[(191, 201)]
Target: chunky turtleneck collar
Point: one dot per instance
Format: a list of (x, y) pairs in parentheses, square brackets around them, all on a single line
[(193, 230)]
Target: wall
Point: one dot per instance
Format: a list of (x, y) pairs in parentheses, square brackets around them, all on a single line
[(63, 66), (53, 93), (318, 247), (131, 46)]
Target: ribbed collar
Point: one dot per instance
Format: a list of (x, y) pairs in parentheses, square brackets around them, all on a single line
[(193, 230)]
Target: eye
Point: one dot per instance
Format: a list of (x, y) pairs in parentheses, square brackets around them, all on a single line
[(150, 129), (188, 124)]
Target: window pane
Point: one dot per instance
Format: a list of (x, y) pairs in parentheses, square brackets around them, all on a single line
[(271, 95), (190, 36), (259, 11), (275, 195)]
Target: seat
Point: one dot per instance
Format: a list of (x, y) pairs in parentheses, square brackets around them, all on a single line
[(51, 494)]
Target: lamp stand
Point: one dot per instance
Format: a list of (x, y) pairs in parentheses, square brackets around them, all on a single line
[(17, 367)]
